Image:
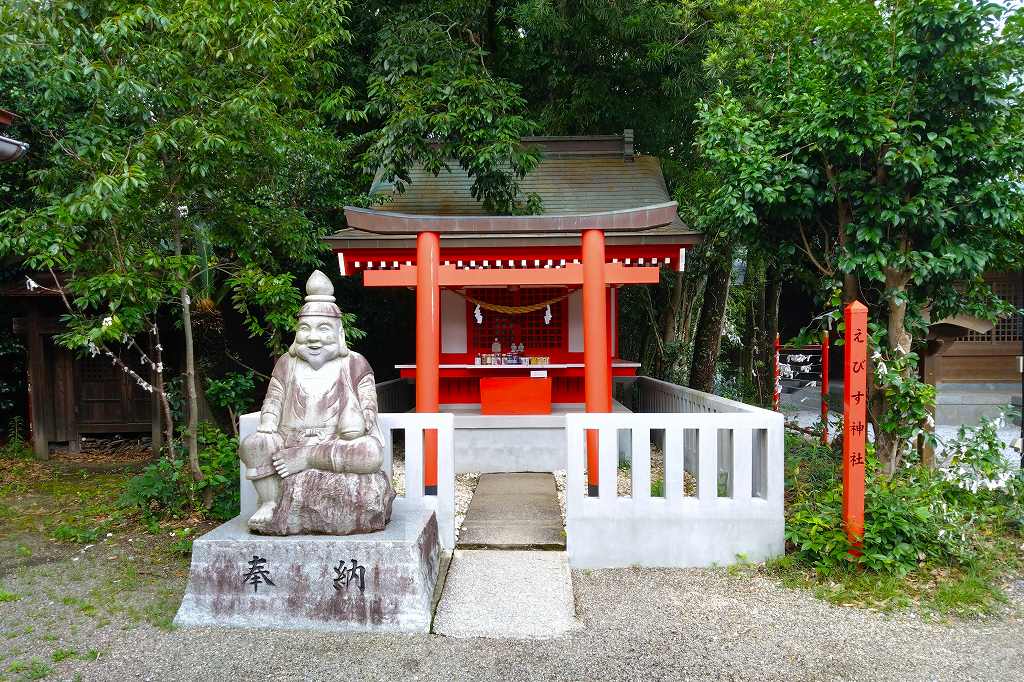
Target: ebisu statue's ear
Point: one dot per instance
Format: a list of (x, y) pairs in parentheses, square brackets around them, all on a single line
[(341, 338)]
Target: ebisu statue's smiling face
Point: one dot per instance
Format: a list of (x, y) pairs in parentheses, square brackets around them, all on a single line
[(318, 339)]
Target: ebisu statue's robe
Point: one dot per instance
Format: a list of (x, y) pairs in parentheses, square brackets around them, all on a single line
[(329, 415)]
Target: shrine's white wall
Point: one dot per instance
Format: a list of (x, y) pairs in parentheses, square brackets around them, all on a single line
[(575, 311), (515, 443), (453, 323), (576, 321)]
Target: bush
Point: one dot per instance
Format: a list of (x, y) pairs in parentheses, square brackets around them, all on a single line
[(15, 447), (165, 488), (917, 518)]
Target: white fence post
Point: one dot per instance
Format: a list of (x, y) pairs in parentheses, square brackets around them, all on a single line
[(610, 531), (443, 504)]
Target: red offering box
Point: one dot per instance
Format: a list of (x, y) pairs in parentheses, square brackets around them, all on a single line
[(515, 395)]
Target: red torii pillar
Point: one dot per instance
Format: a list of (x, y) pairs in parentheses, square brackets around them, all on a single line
[(428, 345), (596, 360)]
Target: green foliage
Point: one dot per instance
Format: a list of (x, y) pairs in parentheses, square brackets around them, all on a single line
[(35, 669), (174, 145), (234, 392), (165, 489), (916, 520), (82, 532), (658, 488), (437, 102), (882, 144), (16, 447)]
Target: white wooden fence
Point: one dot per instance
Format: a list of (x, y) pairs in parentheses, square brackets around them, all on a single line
[(412, 424), (729, 454)]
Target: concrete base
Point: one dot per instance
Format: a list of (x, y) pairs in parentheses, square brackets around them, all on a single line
[(620, 534), (308, 581), (515, 443)]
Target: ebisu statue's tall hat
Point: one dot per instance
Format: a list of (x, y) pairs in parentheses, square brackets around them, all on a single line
[(320, 297)]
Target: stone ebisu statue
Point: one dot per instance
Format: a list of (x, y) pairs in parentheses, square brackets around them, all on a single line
[(315, 459)]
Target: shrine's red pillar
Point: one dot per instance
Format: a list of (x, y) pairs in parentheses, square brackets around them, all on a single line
[(428, 345), (596, 360)]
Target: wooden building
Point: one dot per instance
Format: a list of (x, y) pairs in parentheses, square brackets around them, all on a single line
[(71, 396), (975, 365)]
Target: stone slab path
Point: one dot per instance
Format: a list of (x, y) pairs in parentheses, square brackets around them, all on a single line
[(513, 511), (507, 594), (509, 577)]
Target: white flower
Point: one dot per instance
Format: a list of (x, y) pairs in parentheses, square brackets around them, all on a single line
[(107, 321), (31, 284), (183, 211)]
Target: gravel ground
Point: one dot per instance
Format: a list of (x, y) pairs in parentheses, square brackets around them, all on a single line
[(637, 624)]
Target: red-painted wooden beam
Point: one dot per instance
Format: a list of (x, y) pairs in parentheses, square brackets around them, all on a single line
[(570, 275)]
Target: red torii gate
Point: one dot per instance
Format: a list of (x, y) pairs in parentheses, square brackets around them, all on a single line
[(592, 273)]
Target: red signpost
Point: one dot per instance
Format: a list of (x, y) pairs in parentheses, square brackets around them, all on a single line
[(855, 396), (824, 387)]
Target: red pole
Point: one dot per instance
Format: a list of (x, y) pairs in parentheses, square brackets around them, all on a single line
[(855, 422), (428, 346), (777, 384), (596, 361), (824, 387)]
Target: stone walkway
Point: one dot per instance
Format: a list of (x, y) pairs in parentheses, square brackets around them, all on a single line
[(513, 511), (501, 583)]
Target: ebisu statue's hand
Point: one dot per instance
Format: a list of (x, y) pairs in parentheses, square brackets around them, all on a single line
[(291, 461)]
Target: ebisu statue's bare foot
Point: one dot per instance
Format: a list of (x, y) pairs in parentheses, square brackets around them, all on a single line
[(262, 516), (290, 463)]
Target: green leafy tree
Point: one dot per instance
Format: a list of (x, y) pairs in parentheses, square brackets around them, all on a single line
[(884, 143), (178, 147), (435, 103)]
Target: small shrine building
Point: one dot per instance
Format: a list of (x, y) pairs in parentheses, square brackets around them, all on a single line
[(516, 316)]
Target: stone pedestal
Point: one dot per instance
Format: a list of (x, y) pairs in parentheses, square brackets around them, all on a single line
[(380, 581)]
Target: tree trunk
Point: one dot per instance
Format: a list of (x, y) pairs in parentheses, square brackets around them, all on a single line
[(887, 445), (693, 291), (754, 314), (772, 295), (192, 422), (670, 318), (165, 406), (708, 337)]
